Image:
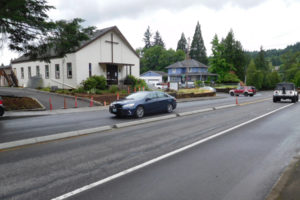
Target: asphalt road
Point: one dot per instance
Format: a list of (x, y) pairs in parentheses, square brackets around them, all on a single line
[(23, 128), (243, 164)]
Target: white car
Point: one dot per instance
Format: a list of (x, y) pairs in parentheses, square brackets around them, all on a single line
[(285, 91)]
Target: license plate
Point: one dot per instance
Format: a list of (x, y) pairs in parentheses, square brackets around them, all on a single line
[(114, 110)]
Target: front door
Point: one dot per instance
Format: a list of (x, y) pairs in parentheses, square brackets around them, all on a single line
[(112, 74)]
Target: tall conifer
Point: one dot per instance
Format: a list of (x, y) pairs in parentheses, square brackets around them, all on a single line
[(198, 50)]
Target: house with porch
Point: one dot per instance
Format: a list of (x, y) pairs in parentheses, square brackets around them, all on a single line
[(188, 70), (106, 53)]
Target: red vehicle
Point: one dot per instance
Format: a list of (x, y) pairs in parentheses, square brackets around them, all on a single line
[(1, 107), (245, 90)]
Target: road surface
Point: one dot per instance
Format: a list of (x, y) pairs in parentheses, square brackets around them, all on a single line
[(242, 164)]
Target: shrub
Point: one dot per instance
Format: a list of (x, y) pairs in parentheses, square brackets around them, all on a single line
[(231, 78), (198, 83), (113, 88), (95, 82), (130, 80), (79, 90)]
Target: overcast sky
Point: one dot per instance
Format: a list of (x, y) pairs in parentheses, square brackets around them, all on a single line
[(255, 23)]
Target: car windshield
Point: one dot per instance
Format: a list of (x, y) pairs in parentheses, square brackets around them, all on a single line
[(287, 86), (137, 96)]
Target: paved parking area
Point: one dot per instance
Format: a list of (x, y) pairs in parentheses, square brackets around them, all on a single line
[(43, 97)]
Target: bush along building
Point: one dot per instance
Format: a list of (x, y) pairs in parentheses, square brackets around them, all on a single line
[(106, 53), (188, 70)]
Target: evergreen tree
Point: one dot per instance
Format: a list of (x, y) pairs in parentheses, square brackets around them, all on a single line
[(26, 27), (147, 38), (254, 77), (260, 61), (158, 40), (182, 43), (234, 55), (22, 23), (198, 50)]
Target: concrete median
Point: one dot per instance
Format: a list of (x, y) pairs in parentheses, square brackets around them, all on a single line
[(53, 137), (194, 112), (143, 121)]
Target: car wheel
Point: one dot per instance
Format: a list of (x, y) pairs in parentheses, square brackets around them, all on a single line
[(294, 100), (274, 100), (169, 108), (246, 94), (1, 111), (139, 113), (231, 93)]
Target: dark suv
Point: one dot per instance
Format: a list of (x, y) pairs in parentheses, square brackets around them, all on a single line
[(1, 107), (285, 91)]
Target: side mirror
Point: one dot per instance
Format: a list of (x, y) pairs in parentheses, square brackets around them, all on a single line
[(147, 99)]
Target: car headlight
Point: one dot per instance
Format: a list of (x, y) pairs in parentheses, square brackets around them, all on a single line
[(130, 105)]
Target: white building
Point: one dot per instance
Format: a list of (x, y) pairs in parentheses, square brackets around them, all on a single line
[(153, 77), (107, 53)]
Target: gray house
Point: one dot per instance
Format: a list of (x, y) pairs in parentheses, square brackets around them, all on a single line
[(190, 70)]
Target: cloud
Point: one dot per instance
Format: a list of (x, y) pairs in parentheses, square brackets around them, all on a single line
[(98, 11)]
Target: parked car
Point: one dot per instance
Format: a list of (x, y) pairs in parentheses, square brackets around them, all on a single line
[(1, 107), (161, 86), (285, 91), (140, 103), (245, 90)]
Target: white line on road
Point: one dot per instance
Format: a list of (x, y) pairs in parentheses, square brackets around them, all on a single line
[(145, 164)]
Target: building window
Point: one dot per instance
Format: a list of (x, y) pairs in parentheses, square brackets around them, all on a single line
[(90, 69), (22, 72), (57, 72), (69, 70), (37, 70), (29, 72), (174, 70), (46, 71)]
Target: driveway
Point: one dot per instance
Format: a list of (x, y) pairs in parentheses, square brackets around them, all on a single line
[(43, 97)]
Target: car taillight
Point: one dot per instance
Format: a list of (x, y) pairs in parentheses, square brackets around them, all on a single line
[(1, 102)]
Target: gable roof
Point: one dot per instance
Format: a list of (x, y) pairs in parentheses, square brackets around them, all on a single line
[(96, 35), (186, 63), (157, 72)]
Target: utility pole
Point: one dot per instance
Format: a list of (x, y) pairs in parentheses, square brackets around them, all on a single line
[(187, 57)]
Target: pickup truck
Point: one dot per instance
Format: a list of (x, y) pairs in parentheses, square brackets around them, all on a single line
[(243, 90)]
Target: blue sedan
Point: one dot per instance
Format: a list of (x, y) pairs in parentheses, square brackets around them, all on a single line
[(140, 103)]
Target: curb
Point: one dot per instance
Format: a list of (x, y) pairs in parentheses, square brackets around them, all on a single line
[(143, 121), (225, 106), (194, 112), (48, 138)]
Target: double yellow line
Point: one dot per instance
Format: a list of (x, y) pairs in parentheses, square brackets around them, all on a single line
[(261, 100)]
